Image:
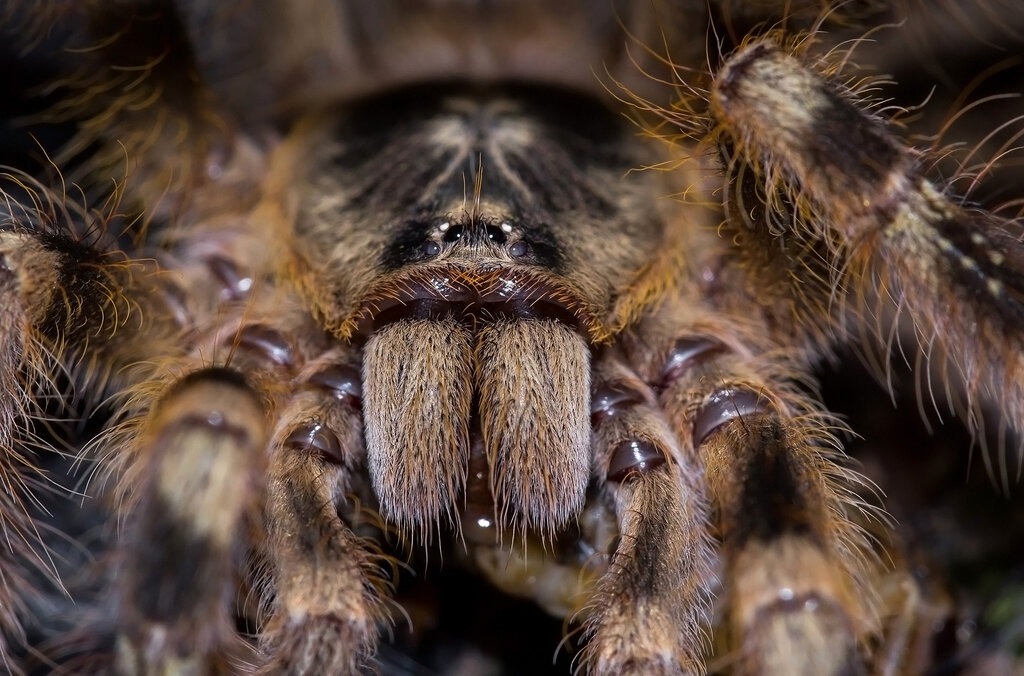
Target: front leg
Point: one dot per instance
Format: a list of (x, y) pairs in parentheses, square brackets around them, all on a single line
[(72, 315), (894, 244)]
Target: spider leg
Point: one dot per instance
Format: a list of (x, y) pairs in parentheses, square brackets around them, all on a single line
[(263, 364), (72, 313), (71, 302), (22, 363), (201, 459), (793, 563), (898, 245), (191, 466), (648, 610), (327, 592)]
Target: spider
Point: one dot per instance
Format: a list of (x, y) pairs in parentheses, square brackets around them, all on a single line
[(523, 284)]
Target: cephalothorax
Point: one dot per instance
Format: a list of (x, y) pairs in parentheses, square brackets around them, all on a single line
[(400, 286), (477, 305)]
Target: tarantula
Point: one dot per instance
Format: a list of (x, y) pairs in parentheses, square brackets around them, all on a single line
[(521, 282)]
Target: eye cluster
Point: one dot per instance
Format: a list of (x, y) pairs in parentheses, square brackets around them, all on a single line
[(500, 234)]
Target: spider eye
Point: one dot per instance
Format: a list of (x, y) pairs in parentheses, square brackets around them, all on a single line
[(452, 234), (519, 249), (430, 248), (496, 235)]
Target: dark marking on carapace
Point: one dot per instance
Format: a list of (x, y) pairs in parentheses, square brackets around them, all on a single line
[(401, 167), (407, 244)]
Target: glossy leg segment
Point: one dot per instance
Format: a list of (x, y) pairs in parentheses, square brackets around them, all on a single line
[(328, 584), (792, 563), (649, 610)]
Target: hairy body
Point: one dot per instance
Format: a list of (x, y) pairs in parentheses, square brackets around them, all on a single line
[(415, 269)]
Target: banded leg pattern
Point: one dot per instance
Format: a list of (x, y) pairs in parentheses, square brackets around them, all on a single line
[(649, 609), (793, 563)]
